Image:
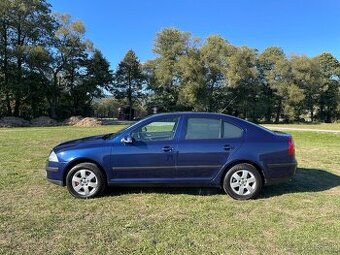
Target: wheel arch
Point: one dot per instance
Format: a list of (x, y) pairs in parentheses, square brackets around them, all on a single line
[(78, 161), (241, 161)]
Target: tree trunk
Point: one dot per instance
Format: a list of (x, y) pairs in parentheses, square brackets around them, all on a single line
[(5, 70), (17, 106), (311, 113), (53, 113), (52, 96), (269, 109), (130, 97), (8, 103), (278, 111), (19, 76)]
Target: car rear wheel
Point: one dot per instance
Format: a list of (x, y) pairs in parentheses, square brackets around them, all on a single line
[(242, 182), (85, 180)]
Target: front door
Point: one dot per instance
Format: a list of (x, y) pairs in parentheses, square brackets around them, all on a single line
[(151, 155)]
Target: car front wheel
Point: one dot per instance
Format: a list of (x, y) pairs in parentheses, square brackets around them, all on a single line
[(85, 180), (242, 182)]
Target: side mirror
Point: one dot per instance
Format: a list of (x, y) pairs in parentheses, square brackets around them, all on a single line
[(127, 139)]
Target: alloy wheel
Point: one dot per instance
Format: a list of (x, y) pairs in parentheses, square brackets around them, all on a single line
[(243, 182), (85, 182)]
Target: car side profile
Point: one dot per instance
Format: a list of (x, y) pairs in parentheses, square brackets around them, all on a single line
[(183, 149)]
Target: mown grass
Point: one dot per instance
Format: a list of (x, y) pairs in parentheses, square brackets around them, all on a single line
[(37, 217), (322, 126)]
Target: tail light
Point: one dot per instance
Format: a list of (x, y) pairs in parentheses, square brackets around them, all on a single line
[(291, 149)]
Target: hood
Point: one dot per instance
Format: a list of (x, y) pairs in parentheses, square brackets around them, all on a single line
[(90, 141)]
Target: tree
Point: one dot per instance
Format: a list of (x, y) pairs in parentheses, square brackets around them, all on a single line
[(203, 74), (25, 25), (330, 95), (307, 76), (129, 80), (163, 72), (5, 55), (64, 67), (243, 82), (277, 80), (46, 64), (96, 76)]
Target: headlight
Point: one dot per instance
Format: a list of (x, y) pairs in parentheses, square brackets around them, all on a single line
[(53, 157)]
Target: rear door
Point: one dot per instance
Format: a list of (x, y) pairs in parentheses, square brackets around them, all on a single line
[(204, 147)]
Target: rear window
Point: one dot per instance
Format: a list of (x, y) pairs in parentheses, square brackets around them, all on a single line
[(207, 128), (203, 128), (231, 131)]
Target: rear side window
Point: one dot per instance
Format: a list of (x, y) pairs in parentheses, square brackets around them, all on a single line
[(231, 131), (203, 128)]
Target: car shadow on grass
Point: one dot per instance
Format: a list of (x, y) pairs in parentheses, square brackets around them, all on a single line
[(305, 180), (118, 191)]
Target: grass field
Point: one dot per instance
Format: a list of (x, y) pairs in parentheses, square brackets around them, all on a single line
[(321, 126), (37, 217)]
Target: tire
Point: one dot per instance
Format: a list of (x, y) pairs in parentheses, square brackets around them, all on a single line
[(242, 182), (85, 180)]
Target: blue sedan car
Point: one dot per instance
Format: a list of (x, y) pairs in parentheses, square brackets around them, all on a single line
[(176, 149)]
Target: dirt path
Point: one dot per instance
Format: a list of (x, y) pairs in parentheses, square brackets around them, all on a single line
[(303, 129)]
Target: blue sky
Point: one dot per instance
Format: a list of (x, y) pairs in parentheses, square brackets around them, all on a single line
[(298, 26)]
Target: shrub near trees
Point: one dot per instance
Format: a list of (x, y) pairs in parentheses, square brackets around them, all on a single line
[(48, 67)]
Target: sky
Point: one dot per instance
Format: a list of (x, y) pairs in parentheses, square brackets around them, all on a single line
[(305, 27)]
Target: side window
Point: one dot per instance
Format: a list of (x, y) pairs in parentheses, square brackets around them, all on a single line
[(160, 130), (203, 128), (231, 131)]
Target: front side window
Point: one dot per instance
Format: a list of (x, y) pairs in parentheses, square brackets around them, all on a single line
[(203, 128), (160, 130)]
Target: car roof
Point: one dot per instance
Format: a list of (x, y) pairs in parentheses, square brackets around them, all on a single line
[(216, 114), (244, 123), (189, 113)]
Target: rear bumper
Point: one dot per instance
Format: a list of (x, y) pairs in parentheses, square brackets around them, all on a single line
[(280, 172)]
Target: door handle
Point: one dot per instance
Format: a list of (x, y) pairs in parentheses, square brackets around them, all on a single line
[(228, 147), (167, 148)]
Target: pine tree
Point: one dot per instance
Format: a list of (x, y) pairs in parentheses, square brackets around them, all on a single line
[(129, 80)]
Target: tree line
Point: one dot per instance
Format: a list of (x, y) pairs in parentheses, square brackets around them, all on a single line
[(214, 75), (49, 67)]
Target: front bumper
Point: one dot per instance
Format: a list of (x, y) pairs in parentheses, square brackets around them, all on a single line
[(58, 182), (54, 172)]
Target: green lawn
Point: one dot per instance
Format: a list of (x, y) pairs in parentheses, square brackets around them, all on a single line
[(323, 126), (37, 217)]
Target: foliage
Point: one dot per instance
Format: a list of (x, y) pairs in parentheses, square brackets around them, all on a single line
[(163, 72), (217, 76), (48, 66), (129, 80)]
